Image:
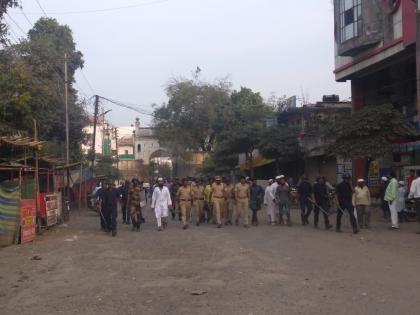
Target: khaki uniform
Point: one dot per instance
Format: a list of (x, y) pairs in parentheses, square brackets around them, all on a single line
[(230, 202), (242, 202), (185, 196), (218, 199), (198, 192)]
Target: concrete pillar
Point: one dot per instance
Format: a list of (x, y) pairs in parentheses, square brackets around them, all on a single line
[(359, 165)]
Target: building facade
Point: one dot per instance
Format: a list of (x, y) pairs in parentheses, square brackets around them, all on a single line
[(375, 49)]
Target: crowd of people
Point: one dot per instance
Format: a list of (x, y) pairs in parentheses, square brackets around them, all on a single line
[(219, 201)]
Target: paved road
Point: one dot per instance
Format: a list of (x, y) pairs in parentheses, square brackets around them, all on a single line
[(263, 270)]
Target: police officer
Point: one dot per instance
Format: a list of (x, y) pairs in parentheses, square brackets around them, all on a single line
[(198, 192), (242, 202), (344, 194), (218, 199), (185, 198), (230, 202), (134, 204)]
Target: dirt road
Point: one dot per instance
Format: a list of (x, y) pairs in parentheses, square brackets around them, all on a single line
[(262, 270)]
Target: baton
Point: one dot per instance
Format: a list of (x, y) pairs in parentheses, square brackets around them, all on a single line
[(319, 207)]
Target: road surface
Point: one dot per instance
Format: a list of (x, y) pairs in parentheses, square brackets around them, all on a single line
[(204, 270)]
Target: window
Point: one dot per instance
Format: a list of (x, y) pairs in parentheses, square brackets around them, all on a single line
[(350, 18), (139, 148)]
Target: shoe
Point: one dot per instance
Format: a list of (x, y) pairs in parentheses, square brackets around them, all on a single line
[(338, 230), (198, 223), (159, 229), (219, 226), (246, 226), (328, 227), (185, 227), (356, 231), (114, 233), (392, 228)]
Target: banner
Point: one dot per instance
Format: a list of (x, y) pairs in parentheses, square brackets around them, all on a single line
[(27, 220), (51, 205)]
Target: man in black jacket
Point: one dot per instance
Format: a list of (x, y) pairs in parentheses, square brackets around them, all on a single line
[(322, 202), (305, 193)]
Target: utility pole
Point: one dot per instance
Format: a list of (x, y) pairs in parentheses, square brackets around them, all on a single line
[(95, 122), (66, 103), (418, 58), (36, 188), (117, 155)]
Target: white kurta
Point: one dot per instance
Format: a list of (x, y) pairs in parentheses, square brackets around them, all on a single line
[(269, 202), (161, 201)]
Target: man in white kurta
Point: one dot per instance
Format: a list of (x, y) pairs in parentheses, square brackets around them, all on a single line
[(269, 202), (161, 201)]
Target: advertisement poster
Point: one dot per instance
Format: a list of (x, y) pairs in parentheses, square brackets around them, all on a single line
[(27, 220), (374, 175), (51, 205)]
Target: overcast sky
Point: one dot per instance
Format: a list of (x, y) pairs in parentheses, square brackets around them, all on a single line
[(271, 46)]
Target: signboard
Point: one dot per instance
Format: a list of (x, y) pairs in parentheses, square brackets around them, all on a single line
[(374, 174), (51, 205), (27, 220)]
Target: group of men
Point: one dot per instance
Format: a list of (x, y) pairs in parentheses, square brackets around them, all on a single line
[(221, 202)]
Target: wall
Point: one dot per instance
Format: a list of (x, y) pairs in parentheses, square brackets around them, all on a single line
[(321, 166)]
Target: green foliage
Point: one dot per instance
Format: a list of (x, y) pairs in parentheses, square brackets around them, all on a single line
[(280, 143), (369, 132), (4, 5), (105, 168), (190, 119), (32, 86)]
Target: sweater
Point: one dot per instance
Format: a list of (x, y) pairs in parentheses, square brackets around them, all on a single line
[(361, 196)]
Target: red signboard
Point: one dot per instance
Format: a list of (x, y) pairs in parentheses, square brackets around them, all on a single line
[(27, 220)]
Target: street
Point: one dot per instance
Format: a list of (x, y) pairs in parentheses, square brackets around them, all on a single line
[(76, 269)]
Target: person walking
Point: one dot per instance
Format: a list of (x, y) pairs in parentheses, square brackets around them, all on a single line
[(256, 194), (123, 191), (242, 202), (133, 202), (111, 211), (362, 202), (282, 199), (344, 195), (322, 202), (230, 202), (208, 207), (414, 195), (174, 190), (198, 193), (185, 199), (391, 196), (100, 197), (305, 191), (218, 199), (384, 203), (161, 202), (269, 202)]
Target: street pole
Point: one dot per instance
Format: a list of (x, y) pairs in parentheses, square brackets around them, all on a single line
[(95, 122), (66, 101), (117, 155), (418, 59), (36, 188)]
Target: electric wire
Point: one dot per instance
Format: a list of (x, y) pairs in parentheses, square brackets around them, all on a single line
[(42, 9), (98, 10)]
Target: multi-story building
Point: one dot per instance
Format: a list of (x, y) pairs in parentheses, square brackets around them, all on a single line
[(375, 49)]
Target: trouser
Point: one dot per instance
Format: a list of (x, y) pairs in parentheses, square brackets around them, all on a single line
[(199, 210), (125, 212), (217, 209), (254, 216), (185, 207), (317, 210), (161, 213), (305, 208), (417, 207), (350, 209), (242, 206), (111, 219), (228, 210), (174, 207), (394, 213), (136, 217), (284, 211), (385, 209), (363, 216), (270, 213), (208, 211)]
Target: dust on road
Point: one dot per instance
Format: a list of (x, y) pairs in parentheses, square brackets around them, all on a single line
[(204, 270)]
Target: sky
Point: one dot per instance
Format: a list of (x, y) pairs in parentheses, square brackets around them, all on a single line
[(271, 46)]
